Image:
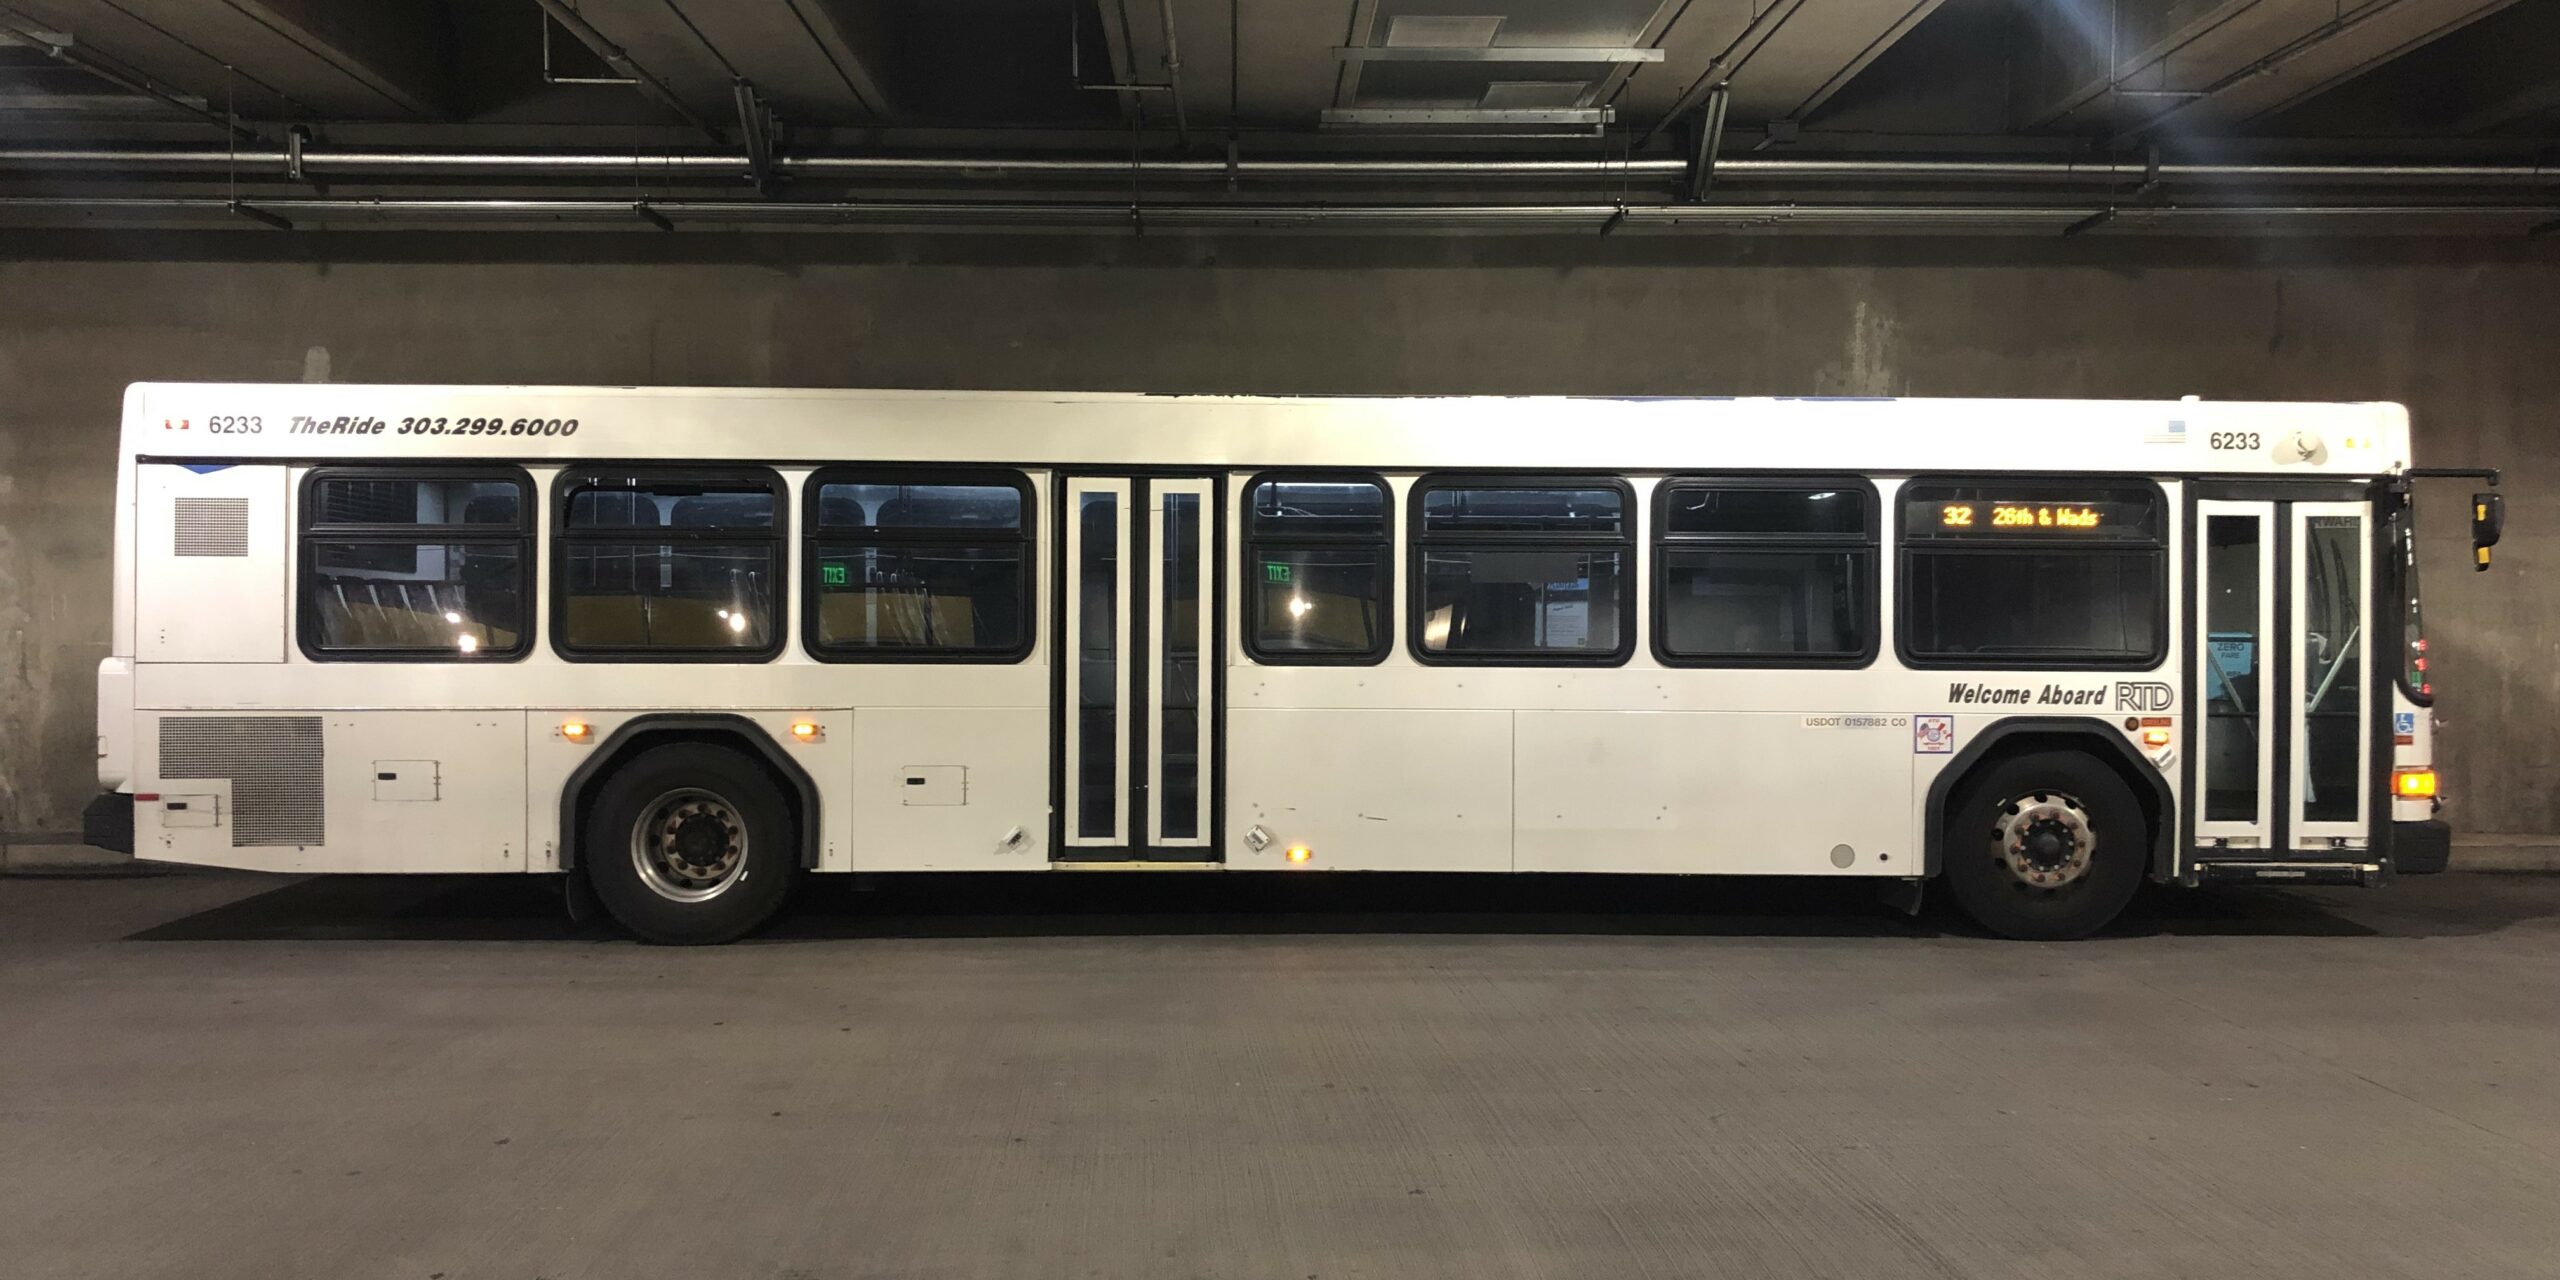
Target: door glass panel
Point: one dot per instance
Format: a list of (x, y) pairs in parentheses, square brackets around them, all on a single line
[(1178, 786), (2332, 622), (2233, 663), (1097, 646)]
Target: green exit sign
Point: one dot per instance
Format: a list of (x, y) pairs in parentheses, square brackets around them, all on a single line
[(1275, 571), (831, 574)]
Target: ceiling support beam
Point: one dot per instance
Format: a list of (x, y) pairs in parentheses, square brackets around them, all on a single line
[(63, 49), (615, 57), (1710, 141), (394, 48)]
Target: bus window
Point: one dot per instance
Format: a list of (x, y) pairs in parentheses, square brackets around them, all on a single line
[(415, 565), (669, 564), (2024, 575), (1765, 572), (1523, 572), (914, 565), (1317, 567)]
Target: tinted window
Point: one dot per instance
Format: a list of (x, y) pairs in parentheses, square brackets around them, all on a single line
[(687, 595), (415, 567), (646, 507), (460, 600), (2059, 608), (685, 565), (1317, 564), (1524, 572), (1521, 602), (919, 506), (1749, 604), (347, 500), (919, 568), (1814, 512), (1540, 510), (2041, 574), (1320, 508), (1769, 572), (1318, 600)]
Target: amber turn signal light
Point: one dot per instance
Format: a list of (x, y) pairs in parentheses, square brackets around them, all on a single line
[(2413, 784), (578, 731)]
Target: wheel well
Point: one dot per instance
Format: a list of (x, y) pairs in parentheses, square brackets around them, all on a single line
[(733, 733), (2001, 743)]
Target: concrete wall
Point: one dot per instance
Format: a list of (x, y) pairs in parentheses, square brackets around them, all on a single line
[(2467, 334)]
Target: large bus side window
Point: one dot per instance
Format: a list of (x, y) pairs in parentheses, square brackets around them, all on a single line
[(667, 564), (1318, 569), (1523, 571), (2041, 574), (911, 565), (1765, 572), (416, 565)]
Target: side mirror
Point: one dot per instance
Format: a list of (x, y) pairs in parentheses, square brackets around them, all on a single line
[(2488, 520)]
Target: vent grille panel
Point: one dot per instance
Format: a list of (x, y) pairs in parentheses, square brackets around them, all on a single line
[(213, 526), (275, 765)]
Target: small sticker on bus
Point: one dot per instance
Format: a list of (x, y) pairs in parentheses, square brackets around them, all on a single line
[(1933, 735)]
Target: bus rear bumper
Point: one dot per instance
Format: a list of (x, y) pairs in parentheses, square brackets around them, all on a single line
[(108, 822), (2421, 848)]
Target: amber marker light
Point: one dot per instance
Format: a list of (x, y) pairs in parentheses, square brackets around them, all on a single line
[(807, 731), (1299, 853), (2413, 784), (578, 731), (2155, 737)]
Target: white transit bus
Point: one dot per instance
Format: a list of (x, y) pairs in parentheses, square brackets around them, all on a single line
[(693, 643)]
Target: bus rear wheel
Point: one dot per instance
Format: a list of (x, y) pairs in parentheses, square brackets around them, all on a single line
[(690, 843), (2046, 846)]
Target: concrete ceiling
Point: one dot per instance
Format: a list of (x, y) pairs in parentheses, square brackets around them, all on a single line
[(2118, 71), (2059, 115)]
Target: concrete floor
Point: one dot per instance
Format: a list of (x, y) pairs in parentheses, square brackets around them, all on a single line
[(1113, 1076)]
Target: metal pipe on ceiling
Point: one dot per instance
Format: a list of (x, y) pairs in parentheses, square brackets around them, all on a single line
[(304, 211), (349, 162)]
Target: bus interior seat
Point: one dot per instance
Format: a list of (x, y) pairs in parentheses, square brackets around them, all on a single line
[(897, 618)]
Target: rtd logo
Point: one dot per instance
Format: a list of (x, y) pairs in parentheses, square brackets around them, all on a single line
[(179, 425), (2143, 695)]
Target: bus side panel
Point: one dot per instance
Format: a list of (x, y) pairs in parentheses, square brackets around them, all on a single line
[(210, 557), (1370, 790), (1754, 793), (369, 791), (950, 789)]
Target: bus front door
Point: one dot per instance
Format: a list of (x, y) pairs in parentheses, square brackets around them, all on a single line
[(2282, 711), (1138, 683)]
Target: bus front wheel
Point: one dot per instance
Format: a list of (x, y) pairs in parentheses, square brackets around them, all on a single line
[(690, 843), (2045, 846)]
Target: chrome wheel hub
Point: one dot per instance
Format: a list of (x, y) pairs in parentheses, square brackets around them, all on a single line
[(689, 845), (2044, 840)]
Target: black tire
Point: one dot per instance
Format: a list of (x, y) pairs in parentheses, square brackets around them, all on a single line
[(2051, 798), (700, 801)]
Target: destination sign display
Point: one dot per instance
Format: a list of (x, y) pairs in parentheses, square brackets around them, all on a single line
[(1942, 512)]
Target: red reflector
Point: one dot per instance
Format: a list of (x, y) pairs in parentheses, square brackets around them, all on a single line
[(146, 795)]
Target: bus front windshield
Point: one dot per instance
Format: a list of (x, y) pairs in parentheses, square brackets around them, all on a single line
[(2414, 677)]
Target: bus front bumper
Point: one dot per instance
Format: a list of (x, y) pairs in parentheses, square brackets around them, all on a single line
[(2421, 848)]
